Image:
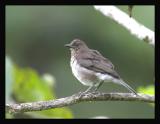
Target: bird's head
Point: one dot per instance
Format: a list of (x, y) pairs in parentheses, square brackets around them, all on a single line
[(76, 44)]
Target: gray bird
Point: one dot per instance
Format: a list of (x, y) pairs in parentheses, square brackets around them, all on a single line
[(91, 68)]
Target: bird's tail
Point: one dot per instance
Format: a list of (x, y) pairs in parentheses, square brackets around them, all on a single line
[(127, 86)]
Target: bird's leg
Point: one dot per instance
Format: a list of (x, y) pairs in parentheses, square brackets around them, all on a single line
[(100, 83), (89, 89), (86, 91)]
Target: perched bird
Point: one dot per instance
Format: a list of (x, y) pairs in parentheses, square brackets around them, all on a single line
[(91, 68)]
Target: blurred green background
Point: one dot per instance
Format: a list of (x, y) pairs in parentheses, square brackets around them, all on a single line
[(35, 38)]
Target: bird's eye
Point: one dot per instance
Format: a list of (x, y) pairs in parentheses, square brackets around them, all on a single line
[(75, 44), (78, 44)]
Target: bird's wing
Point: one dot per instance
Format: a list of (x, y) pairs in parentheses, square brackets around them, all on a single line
[(99, 55), (96, 64)]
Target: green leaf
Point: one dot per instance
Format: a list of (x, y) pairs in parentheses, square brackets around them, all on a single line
[(150, 90), (28, 86)]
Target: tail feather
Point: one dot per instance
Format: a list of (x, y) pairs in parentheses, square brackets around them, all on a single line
[(128, 87)]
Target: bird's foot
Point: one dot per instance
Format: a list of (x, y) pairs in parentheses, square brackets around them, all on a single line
[(87, 92), (80, 94)]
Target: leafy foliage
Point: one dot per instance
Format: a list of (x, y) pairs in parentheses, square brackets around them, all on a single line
[(28, 86), (150, 90)]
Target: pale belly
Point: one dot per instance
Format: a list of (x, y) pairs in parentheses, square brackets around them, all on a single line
[(87, 77)]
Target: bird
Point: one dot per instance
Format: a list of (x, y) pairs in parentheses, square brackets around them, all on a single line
[(91, 68)]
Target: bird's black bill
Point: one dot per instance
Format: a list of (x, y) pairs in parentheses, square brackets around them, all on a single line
[(68, 45)]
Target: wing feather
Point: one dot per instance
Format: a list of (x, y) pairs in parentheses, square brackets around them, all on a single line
[(96, 62)]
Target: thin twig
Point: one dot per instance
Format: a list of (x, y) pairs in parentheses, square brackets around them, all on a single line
[(135, 28), (74, 99)]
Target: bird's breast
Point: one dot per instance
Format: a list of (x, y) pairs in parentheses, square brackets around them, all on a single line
[(85, 76)]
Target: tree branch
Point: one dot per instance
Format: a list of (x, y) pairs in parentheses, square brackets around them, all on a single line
[(74, 99), (130, 24)]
